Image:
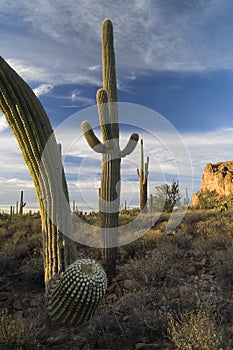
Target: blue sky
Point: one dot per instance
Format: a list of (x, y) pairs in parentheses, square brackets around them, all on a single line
[(175, 57)]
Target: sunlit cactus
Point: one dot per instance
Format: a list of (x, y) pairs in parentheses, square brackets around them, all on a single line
[(109, 147), (69, 301)]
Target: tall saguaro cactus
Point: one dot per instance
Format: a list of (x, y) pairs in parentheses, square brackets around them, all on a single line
[(143, 176), (109, 147), (73, 287)]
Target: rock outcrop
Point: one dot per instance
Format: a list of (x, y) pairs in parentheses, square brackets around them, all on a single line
[(217, 177)]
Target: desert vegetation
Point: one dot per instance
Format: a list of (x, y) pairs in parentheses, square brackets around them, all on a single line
[(173, 291), (165, 291)]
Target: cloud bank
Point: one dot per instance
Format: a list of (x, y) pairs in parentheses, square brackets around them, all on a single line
[(83, 166), (64, 37)]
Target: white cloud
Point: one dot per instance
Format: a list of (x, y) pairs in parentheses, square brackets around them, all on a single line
[(75, 96), (51, 74), (83, 172), (27, 70), (94, 68), (61, 40), (3, 123), (42, 89)]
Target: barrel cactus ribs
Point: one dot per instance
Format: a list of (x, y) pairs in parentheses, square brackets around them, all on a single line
[(85, 283)]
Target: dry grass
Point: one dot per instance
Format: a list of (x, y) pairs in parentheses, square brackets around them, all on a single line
[(164, 297), (16, 332), (195, 330)]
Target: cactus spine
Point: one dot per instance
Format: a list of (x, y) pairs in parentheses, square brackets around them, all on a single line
[(109, 147), (143, 176), (34, 134)]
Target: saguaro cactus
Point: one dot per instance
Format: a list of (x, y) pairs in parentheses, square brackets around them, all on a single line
[(186, 200), (109, 147), (143, 176), (22, 204), (73, 288)]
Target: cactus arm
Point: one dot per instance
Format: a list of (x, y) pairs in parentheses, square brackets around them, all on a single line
[(142, 159), (146, 172), (67, 297), (92, 139), (104, 116), (131, 145)]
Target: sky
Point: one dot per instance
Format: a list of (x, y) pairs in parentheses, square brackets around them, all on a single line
[(173, 57)]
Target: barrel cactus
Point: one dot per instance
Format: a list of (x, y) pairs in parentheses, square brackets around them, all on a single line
[(73, 287), (109, 148), (84, 282)]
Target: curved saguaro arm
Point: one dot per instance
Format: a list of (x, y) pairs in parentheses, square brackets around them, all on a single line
[(109, 147), (32, 129), (143, 177)]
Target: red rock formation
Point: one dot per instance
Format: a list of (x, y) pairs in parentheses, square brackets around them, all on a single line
[(217, 177)]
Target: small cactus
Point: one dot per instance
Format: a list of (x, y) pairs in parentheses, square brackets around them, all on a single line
[(143, 177), (22, 204), (85, 283)]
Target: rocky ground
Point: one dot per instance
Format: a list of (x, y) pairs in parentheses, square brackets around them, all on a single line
[(158, 278)]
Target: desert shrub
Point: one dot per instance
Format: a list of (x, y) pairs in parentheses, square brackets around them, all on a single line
[(152, 273), (223, 263), (21, 244), (208, 199), (205, 246), (195, 330), (193, 219), (139, 248), (149, 308), (15, 250), (214, 234), (3, 231), (217, 224), (15, 332), (167, 197), (33, 269), (155, 270), (183, 240), (197, 296), (146, 315)]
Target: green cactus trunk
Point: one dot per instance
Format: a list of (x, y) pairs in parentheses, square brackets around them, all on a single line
[(111, 162), (32, 129), (21, 204), (110, 149), (143, 180), (69, 303)]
